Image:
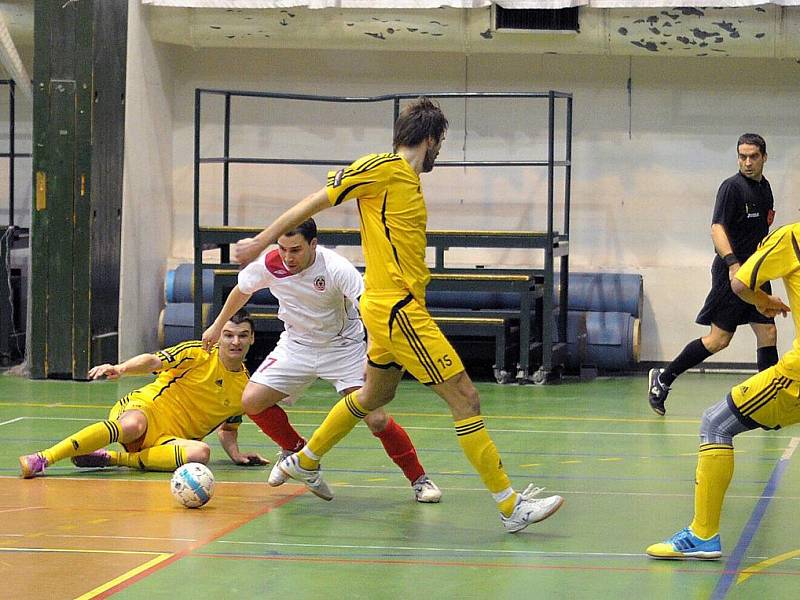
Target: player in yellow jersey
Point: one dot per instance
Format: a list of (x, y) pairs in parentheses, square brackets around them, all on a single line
[(402, 335), (768, 400), (161, 425)]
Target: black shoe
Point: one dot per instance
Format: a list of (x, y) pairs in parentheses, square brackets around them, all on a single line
[(657, 392)]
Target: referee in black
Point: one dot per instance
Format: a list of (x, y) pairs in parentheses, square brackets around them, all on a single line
[(742, 215)]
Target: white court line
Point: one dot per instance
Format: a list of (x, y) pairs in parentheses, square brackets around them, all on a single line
[(427, 549), (787, 454), (12, 421), (440, 550)]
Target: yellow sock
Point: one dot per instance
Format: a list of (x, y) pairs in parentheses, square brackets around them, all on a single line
[(340, 421), (158, 458), (713, 474), (88, 439), (482, 453)]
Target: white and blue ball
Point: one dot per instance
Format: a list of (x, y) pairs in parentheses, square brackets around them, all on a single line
[(192, 485)]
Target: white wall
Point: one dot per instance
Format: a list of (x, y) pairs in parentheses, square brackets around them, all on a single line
[(642, 200), (147, 223)]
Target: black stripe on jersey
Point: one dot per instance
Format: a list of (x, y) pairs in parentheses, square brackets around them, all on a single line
[(470, 428), (764, 396), (754, 274), (340, 197), (178, 461), (396, 309), (795, 248), (768, 237), (178, 348), (183, 360), (172, 352), (388, 232), (372, 163), (425, 359), (171, 381), (165, 356), (369, 165)]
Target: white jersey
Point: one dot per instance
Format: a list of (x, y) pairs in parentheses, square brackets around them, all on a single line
[(318, 306)]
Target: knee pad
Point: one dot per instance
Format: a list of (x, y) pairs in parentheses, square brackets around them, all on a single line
[(719, 424)]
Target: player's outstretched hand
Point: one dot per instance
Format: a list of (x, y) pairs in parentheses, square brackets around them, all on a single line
[(210, 337), (773, 307), (252, 460), (106, 370), (246, 250)]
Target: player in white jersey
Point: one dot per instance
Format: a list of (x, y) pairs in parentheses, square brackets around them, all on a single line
[(317, 292)]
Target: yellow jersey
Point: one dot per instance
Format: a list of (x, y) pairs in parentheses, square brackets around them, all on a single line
[(393, 218), (778, 256), (194, 391)]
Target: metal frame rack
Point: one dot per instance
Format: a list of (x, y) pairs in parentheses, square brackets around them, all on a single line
[(553, 242), (11, 236)]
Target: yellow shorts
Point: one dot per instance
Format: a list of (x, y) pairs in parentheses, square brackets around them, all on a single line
[(402, 333), (769, 399), (157, 424)]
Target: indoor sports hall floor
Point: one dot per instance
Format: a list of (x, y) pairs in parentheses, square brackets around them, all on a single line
[(626, 474)]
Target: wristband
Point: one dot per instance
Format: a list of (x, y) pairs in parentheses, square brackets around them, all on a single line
[(730, 259)]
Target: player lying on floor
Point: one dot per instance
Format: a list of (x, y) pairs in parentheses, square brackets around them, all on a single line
[(161, 425)]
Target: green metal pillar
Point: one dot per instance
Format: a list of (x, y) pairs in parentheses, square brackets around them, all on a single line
[(78, 129)]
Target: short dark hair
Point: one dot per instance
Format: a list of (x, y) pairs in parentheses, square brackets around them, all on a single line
[(419, 120), (753, 139), (308, 229), (242, 316)]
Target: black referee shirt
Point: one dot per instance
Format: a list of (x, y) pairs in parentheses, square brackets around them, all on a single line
[(741, 208)]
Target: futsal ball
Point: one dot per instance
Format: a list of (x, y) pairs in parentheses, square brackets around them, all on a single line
[(192, 485)]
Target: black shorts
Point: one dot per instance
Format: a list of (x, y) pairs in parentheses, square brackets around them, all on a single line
[(725, 309)]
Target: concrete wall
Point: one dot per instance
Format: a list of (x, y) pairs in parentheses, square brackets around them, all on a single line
[(646, 164), (147, 223)]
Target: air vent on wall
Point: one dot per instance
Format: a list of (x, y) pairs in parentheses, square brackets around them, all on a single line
[(535, 19)]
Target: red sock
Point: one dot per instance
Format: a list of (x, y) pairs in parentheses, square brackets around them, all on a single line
[(275, 423), (401, 450)]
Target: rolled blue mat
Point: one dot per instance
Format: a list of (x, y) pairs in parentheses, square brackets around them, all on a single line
[(176, 323), (179, 284), (607, 340), (604, 292)]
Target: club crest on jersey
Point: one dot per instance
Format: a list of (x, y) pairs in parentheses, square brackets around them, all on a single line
[(319, 284)]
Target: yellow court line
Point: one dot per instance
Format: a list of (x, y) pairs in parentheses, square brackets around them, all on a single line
[(764, 564), (124, 577), (57, 405)]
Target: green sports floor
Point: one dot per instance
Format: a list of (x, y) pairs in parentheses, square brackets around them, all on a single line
[(627, 476)]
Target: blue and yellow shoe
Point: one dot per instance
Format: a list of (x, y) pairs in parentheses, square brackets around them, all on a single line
[(686, 544)]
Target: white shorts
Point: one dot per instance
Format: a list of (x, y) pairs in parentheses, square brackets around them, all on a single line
[(291, 367)]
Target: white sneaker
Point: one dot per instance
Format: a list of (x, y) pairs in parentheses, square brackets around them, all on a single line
[(426, 491), (290, 467), (531, 510)]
